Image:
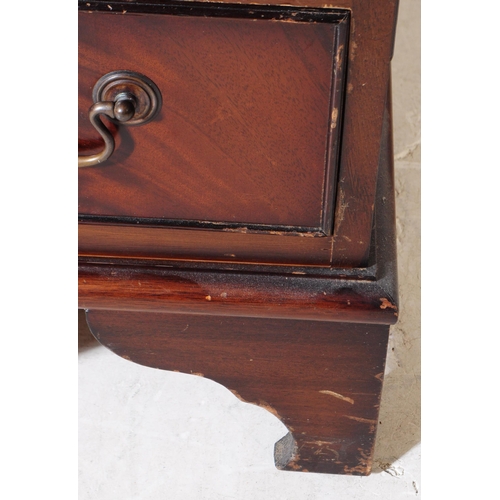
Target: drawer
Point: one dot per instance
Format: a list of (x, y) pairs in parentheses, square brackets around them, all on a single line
[(247, 232), (242, 160)]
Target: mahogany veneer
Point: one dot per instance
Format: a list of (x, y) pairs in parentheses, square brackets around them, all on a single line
[(247, 233)]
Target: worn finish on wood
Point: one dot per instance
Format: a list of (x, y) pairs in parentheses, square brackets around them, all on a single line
[(234, 294), (244, 130), (370, 52), (261, 291), (202, 245), (289, 305), (371, 35), (322, 380), (309, 348)]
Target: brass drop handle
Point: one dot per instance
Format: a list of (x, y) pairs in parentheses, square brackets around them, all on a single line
[(121, 110), (125, 97)]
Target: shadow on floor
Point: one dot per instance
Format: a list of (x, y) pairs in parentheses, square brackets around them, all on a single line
[(399, 429)]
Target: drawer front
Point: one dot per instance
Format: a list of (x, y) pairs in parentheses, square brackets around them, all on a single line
[(247, 138)]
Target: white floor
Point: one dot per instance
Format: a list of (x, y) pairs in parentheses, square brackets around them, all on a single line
[(151, 434)]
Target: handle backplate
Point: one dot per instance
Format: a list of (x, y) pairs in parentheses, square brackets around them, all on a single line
[(125, 97)]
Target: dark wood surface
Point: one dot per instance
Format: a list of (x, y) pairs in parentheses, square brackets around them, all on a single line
[(322, 380), (234, 294), (257, 290), (201, 245), (310, 349), (370, 52), (369, 49), (281, 328), (244, 130)]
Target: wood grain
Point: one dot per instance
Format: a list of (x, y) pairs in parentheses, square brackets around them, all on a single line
[(197, 244), (322, 380), (370, 52), (243, 135), (370, 47), (255, 290), (309, 347), (234, 294)]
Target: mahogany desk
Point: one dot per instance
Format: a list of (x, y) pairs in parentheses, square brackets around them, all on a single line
[(237, 176)]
